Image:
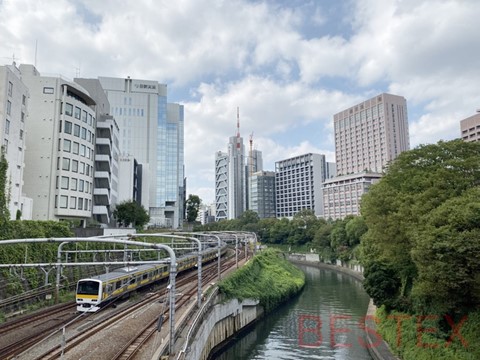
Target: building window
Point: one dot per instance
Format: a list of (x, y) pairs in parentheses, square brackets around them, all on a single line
[(22, 117), (82, 150), (82, 168), (84, 133), (63, 201), (64, 182), (73, 184), (73, 202), (7, 126), (66, 164), (5, 145), (48, 90), (76, 146), (78, 112), (24, 99), (80, 203), (10, 88), (74, 165), (21, 134), (84, 116), (66, 145), (76, 130), (68, 127), (9, 107), (81, 185), (68, 109)]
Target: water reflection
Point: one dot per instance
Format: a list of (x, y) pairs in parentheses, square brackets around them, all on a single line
[(323, 322)]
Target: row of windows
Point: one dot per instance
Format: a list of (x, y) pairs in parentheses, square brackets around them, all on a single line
[(77, 131), (75, 166), (78, 114), (76, 148), (72, 202), (74, 184), (116, 111)]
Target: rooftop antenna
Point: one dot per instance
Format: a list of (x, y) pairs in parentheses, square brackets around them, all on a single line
[(35, 60), (251, 154)]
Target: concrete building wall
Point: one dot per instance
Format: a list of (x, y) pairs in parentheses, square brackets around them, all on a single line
[(342, 195), (60, 142), (298, 184), (470, 128), (13, 113), (370, 134)]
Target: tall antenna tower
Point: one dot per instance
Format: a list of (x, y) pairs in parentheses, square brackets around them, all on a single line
[(251, 154), (238, 128)]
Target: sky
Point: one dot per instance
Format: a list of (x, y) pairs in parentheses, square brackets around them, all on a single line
[(288, 65)]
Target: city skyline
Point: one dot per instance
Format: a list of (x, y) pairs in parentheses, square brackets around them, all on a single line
[(289, 66)]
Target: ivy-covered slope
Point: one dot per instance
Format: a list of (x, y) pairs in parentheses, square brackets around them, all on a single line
[(268, 277)]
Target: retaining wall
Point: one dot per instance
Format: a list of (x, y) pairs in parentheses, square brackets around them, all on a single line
[(222, 322)]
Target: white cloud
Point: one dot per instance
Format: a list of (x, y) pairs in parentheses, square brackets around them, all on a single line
[(257, 55)]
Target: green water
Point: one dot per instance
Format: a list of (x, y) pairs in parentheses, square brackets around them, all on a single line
[(323, 322)]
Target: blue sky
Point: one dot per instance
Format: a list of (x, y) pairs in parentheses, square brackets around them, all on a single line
[(288, 65)]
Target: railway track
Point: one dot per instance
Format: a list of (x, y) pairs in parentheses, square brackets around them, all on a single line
[(130, 349), (62, 315), (185, 284)]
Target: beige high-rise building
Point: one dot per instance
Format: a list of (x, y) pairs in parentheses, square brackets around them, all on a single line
[(470, 128), (367, 136), (370, 134)]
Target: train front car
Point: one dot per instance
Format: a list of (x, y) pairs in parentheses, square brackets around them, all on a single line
[(89, 295)]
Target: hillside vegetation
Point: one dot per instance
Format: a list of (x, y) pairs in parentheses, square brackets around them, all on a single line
[(268, 277)]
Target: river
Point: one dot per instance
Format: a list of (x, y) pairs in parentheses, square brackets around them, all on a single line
[(322, 322)]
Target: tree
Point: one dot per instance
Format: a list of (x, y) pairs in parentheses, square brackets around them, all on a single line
[(130, 212), (447, 255), (193, 205), (399, 211)]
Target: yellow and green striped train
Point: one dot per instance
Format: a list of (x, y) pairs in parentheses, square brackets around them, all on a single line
[(95, 292)]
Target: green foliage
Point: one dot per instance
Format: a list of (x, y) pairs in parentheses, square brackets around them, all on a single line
[(130, 212), (192, 205), (421, 226), (414, 337), (4, 195), (447, 255), (381, 284), (268, 277)]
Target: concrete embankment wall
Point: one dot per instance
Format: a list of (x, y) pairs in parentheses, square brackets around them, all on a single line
[(221, 322)]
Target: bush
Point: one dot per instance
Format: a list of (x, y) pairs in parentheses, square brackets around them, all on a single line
[(267, 277)]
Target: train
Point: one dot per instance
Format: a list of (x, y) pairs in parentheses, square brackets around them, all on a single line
[(95, 292)]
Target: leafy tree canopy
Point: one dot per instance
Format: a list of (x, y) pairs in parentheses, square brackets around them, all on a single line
[(400, 209), (193, 205), (129, 212)]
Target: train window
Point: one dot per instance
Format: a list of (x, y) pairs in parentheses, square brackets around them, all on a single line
[(133, 281), (144, 276), (118, 284), (88, 288)]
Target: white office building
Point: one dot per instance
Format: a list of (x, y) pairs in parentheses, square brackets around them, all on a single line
[(60, 142), (221, 186), (13, 112)]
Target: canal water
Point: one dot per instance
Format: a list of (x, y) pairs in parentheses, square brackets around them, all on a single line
[(322, 322)]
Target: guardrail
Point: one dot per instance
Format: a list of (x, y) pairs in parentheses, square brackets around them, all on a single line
[(196, 323)]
